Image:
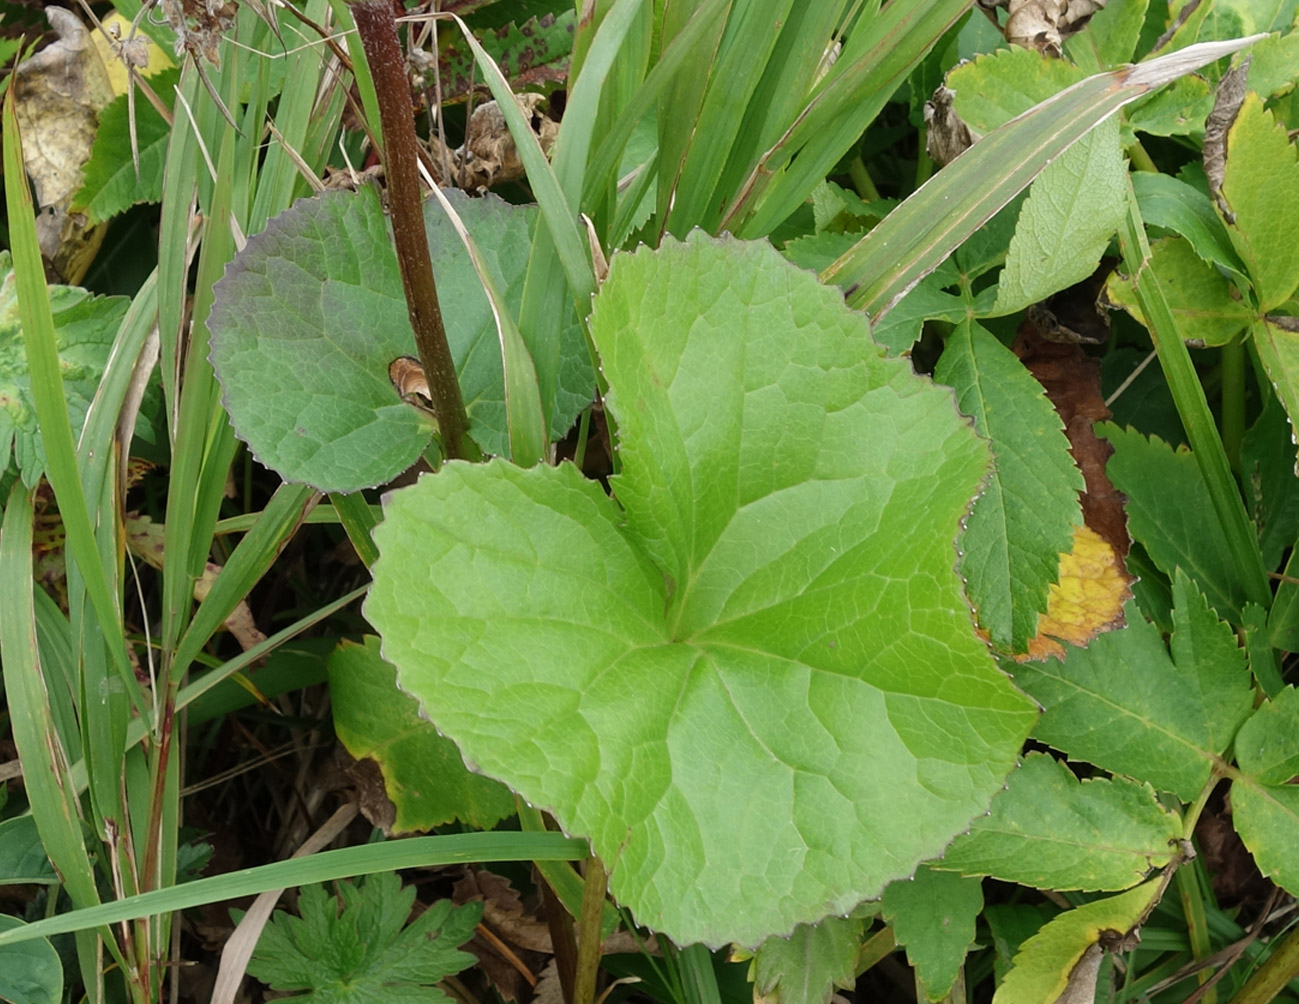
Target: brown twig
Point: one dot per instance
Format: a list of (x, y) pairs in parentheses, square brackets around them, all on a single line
[(378, 30)]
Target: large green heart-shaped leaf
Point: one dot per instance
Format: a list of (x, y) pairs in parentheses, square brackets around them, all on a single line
[(311, 313), (752, 680)]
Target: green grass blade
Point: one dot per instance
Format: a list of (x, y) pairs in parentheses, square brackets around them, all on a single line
[(52, 406), (872, 66), (358, 519), (245, 567), (46, 775), (526, 419), (604, 162), (418, 852), (178, 188), (918, 235), (558, 234), (747, 43), (1193, 408), (560, 217), (203, 443)]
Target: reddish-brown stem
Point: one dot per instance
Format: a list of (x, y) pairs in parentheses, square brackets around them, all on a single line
[(378, 30)]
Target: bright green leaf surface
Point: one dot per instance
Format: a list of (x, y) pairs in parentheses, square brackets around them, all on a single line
[(1171, 203), (1124, 705), (310, 315), (933, 916), (1198, 295), (111, 184), (1025, 517), (810, 964), (1011, 924), (1073, 209), (1169, 512), (84, 328), (1268, 744), (1045, 960), (1052, 831), (30, 972), (732, 682), (1268, 473), (423, 773), (364, 952), (1261, 185), (993, 89)]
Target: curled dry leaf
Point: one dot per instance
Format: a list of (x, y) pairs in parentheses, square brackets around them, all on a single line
[(948, 135), (488, 156), (1226, 106), (1045, 24), (58, 94)]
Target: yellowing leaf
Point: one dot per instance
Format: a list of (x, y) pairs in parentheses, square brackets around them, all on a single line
[(1086, 601)]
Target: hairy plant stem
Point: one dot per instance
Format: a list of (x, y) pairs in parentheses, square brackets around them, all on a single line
[(378, 30)]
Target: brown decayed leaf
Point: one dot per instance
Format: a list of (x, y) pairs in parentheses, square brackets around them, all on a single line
[(1226, 106), (1094, 581), (58, 94), (489, 156), (948, 135), (1087, 601), (1044, 24)]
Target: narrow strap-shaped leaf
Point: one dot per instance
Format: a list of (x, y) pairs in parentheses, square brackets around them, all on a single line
[(368, 859), (525, 415), (916, 237), (870, 69), (51, 402), (1193, 408)]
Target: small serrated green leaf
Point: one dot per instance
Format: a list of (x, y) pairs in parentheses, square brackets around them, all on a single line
[(1265, 805), (1050, 830), (1110, 37), (723, 677), (1199, 296), (1268, 745), (356, 948), (424, 775), (1267, 472), (1045, 961), (1170, 514), (807, 966), (991, 90), (1124, 705), (1024, 519), (1073, 209), (1261, 186), (933, 916), (1277, 342), (1274, 65), (111, 185)]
